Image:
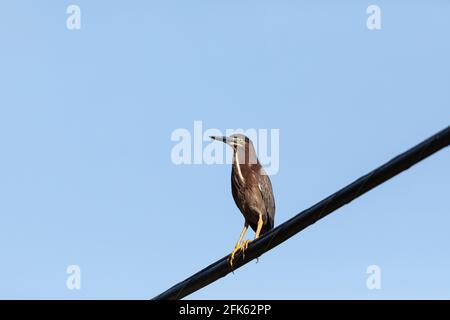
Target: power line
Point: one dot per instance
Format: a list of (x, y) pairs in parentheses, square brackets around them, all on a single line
[(309, 216)]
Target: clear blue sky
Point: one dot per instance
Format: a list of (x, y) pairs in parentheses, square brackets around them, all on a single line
[(86, 116)]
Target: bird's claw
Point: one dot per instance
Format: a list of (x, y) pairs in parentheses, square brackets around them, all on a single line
[(231, 257), (245, 246)]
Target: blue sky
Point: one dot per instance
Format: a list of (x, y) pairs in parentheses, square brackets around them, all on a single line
[(86, 116)]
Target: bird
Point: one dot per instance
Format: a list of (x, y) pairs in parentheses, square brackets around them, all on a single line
[(251, 189)]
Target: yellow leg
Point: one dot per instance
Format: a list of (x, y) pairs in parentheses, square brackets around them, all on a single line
[(257, 233), (238, 246), (260, 224)]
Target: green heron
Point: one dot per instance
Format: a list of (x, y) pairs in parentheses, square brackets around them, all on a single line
[(251, 188)]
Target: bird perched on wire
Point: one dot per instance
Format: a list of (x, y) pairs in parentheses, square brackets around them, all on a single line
[(251, 189)]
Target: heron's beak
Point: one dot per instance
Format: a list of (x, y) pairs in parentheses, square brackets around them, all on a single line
[(223, 139)]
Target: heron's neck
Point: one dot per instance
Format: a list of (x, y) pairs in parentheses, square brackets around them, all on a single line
[(237, 167), (243, 165)]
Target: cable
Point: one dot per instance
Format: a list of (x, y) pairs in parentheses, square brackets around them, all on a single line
[(309, 216)]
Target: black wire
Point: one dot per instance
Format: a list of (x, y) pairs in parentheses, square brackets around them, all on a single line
[(309, 216)]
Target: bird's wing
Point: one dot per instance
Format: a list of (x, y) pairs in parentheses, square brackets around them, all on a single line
[(265, 188)]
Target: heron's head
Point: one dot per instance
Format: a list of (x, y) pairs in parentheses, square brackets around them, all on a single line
[(236, 141), (242, 147)]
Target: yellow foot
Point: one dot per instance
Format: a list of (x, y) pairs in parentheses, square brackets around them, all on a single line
[(245, 246), (231, 258)]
